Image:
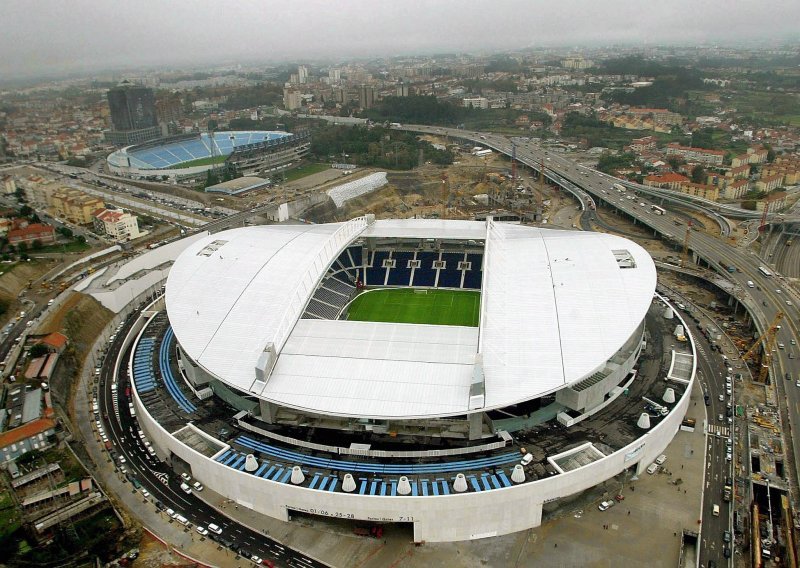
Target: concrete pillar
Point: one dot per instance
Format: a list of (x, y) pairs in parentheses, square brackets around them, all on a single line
[(644, 421), (349, 484), (403, 486), (669, 396), (268, 410), (475, 425), (518, 474)]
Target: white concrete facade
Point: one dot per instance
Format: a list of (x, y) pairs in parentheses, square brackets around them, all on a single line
[(442, 518)]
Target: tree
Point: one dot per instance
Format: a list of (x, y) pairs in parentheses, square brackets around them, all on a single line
[(25, 210), (674, 162), (36, 245), (698, 174), (770, 153), (80, 239), (703, 138), (66, 232), (38, 350)]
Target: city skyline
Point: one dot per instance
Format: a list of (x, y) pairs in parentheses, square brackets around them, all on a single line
[(92, 36)]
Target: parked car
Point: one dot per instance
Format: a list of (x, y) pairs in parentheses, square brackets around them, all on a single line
[(605, 505)]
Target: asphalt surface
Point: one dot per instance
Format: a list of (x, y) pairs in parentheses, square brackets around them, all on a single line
[(764, 301), (163, 483)]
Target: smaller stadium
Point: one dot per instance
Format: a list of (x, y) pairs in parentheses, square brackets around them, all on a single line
[(189, 157)]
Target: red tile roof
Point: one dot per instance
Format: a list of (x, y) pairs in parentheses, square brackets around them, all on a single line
[(667, 178), (55, 339), (26, 431)]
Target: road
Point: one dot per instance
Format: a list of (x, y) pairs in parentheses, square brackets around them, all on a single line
[(712, 374), (764, 301), (161, 481)]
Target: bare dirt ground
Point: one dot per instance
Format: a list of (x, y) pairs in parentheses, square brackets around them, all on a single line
[(153, 554), (16, 279), (80, 318)]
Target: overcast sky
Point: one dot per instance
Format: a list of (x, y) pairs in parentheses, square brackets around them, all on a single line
[(46, 36)]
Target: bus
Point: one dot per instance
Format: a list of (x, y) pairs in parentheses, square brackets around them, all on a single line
[(764, 271), (657, 210)]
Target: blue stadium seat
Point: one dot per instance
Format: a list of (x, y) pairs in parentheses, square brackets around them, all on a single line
[(474, 277), (400, 275), (425, 275), (376, 274)]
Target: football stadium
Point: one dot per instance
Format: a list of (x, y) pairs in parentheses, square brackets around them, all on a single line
[(188, 157), (455, 379)]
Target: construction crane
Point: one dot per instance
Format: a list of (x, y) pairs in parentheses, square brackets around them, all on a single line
[(768, 339), (685, 252)]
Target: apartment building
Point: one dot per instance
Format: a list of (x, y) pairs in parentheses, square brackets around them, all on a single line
[(769, 182), (117, 224), (74, 206), (644, 144), (669, 180), (700, 155), (734, 189), (701, 190), (476, 102), (22, 232)]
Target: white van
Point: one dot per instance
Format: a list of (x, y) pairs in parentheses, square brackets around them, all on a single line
[(186, 489), (214, 528), (750, 284), (652, 468), (181, 519), (715, 511), (661, 459)]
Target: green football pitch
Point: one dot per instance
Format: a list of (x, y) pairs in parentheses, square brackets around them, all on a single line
[(406, 305)]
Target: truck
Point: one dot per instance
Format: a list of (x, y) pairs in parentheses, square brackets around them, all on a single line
[(679, 333), (619, 187), (727, 267)]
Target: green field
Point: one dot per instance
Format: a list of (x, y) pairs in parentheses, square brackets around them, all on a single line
[(306, 170), (405, 305)]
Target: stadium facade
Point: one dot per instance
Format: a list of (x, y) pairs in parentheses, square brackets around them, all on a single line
[(187, 158), (248, 373)]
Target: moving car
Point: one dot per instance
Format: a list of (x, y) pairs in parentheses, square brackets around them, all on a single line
[(214, 528)]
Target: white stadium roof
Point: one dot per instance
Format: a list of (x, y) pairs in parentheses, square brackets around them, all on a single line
[(555, 306)]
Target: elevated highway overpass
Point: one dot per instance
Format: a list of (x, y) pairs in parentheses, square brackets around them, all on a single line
[(769, 295)]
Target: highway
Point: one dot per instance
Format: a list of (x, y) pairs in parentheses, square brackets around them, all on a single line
[(769, 296), (712, 375), (162, 482)]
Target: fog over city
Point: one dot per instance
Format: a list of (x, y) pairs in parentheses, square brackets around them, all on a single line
[(49, 37)]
